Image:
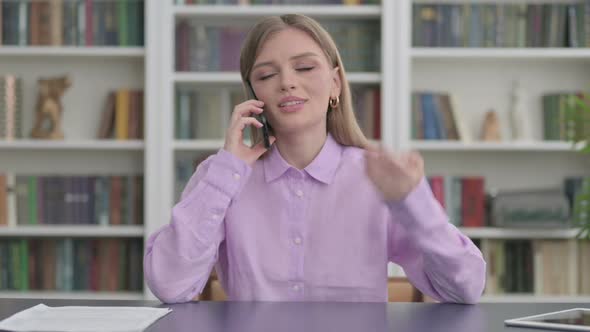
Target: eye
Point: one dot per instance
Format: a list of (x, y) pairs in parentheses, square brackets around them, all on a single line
[(267, 76), (305, 68)]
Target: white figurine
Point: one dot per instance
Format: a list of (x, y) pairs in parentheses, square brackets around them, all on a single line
[(519, 124)]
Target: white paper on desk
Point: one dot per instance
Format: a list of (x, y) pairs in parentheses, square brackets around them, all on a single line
[(83, 319)]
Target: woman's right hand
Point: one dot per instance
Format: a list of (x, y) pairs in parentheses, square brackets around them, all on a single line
[(234, 139)]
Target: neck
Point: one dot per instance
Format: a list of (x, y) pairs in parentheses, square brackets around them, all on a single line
[(300, 150)]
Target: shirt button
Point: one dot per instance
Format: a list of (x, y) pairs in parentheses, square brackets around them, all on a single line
[(297, 240), (296, 287), (215, 216), (236, 176), (299, 193)]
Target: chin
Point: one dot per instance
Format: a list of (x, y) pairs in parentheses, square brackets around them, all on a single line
[(297, 126)]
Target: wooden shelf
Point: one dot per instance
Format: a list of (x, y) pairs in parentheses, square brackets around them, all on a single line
[(76, 295), (518, 233), (72, 231), (437, 53), (257, 11), (234, 77), (197, 145), (74, 51), (541, 146), (30, 144)]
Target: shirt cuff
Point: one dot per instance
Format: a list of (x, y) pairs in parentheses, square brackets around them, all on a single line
[(227, 173)]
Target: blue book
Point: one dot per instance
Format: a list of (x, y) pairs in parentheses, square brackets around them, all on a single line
[(429, 116)]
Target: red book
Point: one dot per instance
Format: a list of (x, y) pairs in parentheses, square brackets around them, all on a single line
[(33, 256), (473, 201), (437, 184), (114, 265)]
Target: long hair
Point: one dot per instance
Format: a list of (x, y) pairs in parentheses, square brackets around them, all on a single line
[(341, 122)]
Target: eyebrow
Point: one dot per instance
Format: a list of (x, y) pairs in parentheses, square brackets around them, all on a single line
[(302, 55)]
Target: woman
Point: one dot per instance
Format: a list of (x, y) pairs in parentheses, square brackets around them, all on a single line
[(318, 215)]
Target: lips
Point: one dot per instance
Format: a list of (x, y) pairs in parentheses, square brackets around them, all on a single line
[(291, 104)]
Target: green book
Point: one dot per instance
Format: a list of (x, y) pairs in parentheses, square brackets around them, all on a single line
[(133, 22), (122, 23), (24, 264), (15, 274), (33, 200)]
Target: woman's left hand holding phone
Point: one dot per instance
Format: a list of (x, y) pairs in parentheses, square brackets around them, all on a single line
[(234, 138)]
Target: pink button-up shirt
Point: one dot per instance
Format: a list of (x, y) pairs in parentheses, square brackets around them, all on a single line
[(276, 233)]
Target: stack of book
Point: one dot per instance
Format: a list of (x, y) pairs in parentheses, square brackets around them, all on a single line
[(71, 264), (435, 117), (212, 48), (11, 111), (72, 23), (564, 118), (502, 25), (123, 115), (78, 200)]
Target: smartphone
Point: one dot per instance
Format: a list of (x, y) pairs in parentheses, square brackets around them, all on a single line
[(262, 119)]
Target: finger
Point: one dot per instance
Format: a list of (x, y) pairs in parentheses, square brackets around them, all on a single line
[(248, 121), (397, 162), (245, 109), (237, 129), (256, 102)]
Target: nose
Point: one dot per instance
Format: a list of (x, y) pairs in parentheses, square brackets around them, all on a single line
[(287, 80)]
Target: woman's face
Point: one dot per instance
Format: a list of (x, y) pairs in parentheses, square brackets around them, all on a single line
[(294, 79)]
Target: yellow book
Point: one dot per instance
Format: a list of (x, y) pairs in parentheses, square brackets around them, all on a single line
[(122, 115), (352, 2), (56, 22)]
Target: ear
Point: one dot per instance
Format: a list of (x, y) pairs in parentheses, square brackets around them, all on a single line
[(336, 82)]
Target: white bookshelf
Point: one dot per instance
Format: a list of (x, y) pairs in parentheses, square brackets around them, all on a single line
[(94, 72), (516, 146), (71, 231), (512, 54), (518, 233), (257, 11), (197, 145), (480, 79), (234, 78), (72, 295), (73, 145), (73, 51)]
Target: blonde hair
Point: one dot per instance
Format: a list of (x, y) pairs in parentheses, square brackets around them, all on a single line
[(341, 122)]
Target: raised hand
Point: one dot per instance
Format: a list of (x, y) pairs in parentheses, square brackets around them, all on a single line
[(394, 174)]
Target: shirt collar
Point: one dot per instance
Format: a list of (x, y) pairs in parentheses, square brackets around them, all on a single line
[(322, 168)]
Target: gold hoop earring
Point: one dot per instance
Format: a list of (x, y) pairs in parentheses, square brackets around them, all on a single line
[(334, 102)]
